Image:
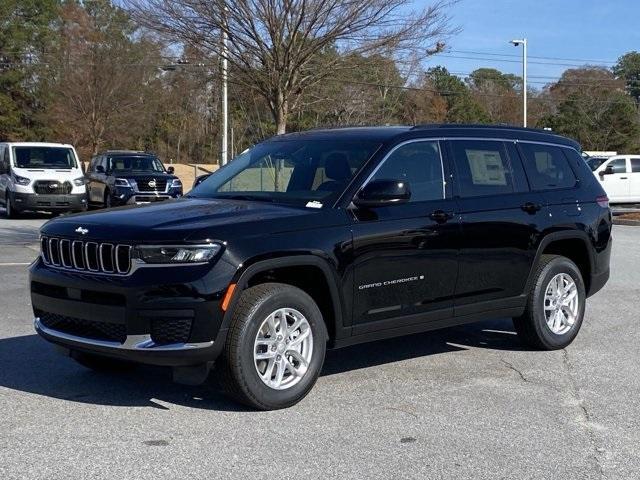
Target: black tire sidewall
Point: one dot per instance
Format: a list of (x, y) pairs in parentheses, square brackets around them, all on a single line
[(256, 389), (556, 266)]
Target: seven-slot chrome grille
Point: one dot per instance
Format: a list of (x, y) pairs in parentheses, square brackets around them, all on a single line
[(86, 256)]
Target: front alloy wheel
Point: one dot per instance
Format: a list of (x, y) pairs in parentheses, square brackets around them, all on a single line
[(283, 348)]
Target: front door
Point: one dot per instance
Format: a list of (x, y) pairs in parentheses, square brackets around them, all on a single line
[(617, 183), (405, 264)]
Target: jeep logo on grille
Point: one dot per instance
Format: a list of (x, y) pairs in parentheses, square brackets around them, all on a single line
[(82, 231), (152, 184)]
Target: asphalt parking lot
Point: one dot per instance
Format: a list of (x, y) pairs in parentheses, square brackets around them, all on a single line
[(466, 402)]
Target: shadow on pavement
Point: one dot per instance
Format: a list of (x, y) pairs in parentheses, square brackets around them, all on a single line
[(29, 364)]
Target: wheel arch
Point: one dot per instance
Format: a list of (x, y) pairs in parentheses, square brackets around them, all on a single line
[(318, 276), (574, 245)]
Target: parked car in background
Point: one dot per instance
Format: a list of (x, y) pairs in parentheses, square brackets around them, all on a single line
[(121, 177), (620, 178), (41, 176)]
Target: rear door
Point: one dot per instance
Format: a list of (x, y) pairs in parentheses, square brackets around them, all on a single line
[(405, 255), (501, 219)]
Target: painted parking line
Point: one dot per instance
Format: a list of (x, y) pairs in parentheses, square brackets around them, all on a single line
[(14, 264)]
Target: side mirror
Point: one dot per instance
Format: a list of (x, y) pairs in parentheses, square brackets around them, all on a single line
[(607, 171), (99, 169), (380, 193), (171, 170)]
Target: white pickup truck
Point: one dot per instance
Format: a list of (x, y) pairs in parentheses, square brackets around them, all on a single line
[(620, 178)]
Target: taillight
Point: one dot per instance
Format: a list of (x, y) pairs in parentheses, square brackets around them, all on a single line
[(603, 201)]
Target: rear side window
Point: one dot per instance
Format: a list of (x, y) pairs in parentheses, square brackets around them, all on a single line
[(482, 167), (547, 167), (635, 165)]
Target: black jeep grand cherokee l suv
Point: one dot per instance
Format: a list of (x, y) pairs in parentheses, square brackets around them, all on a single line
[(330, 238)]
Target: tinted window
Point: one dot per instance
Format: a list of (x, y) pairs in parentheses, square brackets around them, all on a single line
[(482, 167), (635, 165), (293, 171), (44, 157), (595, 162), (547, 167), (418, 164), (619, 165)]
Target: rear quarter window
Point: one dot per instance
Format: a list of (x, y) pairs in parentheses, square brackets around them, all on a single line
[(547, 167)]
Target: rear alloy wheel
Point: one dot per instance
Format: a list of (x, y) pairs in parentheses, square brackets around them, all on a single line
[(555, 307), (275, 347)]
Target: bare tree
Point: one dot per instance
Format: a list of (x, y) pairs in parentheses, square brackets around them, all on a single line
[(276, 46)]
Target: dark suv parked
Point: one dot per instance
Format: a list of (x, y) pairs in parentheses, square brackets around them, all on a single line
[(120, 177), (326, 239)]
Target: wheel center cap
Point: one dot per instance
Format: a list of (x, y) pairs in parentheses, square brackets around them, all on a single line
[(281, 347)]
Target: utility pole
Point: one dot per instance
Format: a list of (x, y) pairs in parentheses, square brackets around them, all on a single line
[(225, 107), (516, 43)]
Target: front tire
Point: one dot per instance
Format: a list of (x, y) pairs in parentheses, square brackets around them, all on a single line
[(275, 347), (11, 212), (555, 307)]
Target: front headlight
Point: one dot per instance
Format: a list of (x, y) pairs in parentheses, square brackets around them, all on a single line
[(78, 182), (176, 183), (175, 254), (122, 182), (24, 181)]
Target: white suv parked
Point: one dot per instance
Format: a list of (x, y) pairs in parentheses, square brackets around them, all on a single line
[(620, 178), (41, 176)]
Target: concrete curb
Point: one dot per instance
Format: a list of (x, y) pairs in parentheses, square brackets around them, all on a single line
[(622, 221)]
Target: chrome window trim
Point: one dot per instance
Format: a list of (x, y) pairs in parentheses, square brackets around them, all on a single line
[(445, 139)]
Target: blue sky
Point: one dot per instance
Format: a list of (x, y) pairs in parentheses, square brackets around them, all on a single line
[(580, 29)]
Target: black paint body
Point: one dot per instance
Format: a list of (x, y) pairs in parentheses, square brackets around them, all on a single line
[(476, 260)]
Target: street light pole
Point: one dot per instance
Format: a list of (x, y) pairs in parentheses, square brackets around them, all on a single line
[(523, 42), (225, 110)]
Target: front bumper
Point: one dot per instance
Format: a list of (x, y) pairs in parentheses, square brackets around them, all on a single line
[(129, 196), (167, 316), (36, 201)]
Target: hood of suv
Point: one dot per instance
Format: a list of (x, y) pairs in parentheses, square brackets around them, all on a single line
[(186, 219)]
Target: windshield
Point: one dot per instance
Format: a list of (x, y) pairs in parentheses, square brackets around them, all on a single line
[(595, 162), (135, 163), (44, 157), (290, 171)]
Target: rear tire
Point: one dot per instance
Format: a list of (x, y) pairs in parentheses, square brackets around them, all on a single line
[(102, 364), (555, 307), (107, 200), (265, 365)]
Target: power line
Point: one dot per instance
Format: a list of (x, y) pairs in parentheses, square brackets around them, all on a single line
[(536, 57)]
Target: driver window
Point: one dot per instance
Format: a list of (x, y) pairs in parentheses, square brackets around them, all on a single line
[(619, 165), (419, 164)]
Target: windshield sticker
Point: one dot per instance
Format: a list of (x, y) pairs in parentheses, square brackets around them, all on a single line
[(314, 204)]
